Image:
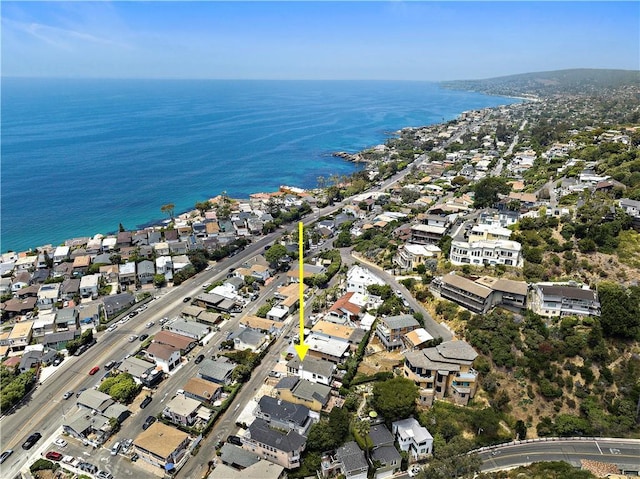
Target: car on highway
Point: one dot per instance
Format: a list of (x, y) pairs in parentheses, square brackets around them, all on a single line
[(148, 422), (67, 395), (133, 337), (31, 440), (113, 327), (199, 359), (150, 323), (60, 442), (5, 455), (94, 370), (53, 455), (143, 337), (145, 402)]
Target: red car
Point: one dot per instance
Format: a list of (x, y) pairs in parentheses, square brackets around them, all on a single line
[(94, 370), (53, 455)]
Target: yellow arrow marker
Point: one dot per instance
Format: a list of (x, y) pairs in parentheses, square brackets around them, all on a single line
[(301, 348)]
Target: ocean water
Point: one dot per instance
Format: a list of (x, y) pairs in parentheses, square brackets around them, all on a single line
[(81, 156)]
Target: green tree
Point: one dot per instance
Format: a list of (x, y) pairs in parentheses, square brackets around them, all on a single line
[(487, 190), (168, 209), (395, 398), (274, 254), (203, 206), (159, 280)]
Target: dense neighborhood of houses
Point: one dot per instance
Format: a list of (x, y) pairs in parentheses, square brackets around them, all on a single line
[(53, 295)]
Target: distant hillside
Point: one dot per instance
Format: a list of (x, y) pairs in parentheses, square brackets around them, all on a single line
[(541, 84)]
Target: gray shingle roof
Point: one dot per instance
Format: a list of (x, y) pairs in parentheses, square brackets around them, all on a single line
[(351, 457), (260, 431), (312, 365), (401, 321), (283, 411)]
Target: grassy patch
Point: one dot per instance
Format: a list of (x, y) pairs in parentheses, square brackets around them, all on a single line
[(629, 248)]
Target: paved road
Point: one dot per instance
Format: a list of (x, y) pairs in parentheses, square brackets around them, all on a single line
[(612, 450)]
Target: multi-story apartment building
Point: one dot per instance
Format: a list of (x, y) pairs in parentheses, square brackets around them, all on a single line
[(391, 330), (274, 445), (411, 255)]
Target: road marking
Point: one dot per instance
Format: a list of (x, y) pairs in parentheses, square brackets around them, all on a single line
[(598, 446)]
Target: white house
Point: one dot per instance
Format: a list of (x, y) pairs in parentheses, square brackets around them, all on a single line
[(61, 254), (359, 278), (486, 252), (89, 285), (411, 255), (412, 437)]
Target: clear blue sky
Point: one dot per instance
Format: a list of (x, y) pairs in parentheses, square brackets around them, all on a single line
[(398, 40)]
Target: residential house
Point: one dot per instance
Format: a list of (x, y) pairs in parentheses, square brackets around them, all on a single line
[(248, 339), (274, 445), (353, 463), (328, 348), (22, 279), (489, 252), (202, 390), (312, 369), (300, 391), (265, 325), (413, 438), (59, 340), (344, 310), (410, 255), (61, 254), (182, 410), (427, 234), (563, 299), (391, 330), (359, 279), (48, 295), (89, 285), (162, 446), (81, 264), (20, 336), (417, 339), (16, 307), (69, 288), (383, 452), (189, 329), (116, 303), (44, 323), (164, 355), (216, 370), (485, 232), (164, 266), (127, 273), (182, 343), (67, 318), (284, 415), (506, 292), (142, 371), (477, 298), (258, 469), (145, 271), (443, 371)]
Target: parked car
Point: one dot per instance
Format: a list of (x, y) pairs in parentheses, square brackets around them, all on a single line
[(143, 337), (187, 299), (235, 440), (60, 442), (133, 337), (31, 440), (134, 457), (94, 370), (148, 422), (53, 455), (80, 392), (145, 402), (199, 359), (164, 320), (67, 395), (115, 449), (5, 455), (109, 365), (88, 467), (150, 323), (126, 444), (57, 361), (104, 475)]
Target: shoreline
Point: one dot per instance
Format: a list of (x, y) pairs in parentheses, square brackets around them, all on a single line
[(353, 158)]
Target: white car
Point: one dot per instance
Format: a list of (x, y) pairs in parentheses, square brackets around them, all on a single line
[(133, 337), (413, 471), (112, 327), (150, 323), (60, 442)]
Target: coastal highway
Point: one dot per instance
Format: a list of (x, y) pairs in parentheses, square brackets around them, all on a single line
[(625, 453)]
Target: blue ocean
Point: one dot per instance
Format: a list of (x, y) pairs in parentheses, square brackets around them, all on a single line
[(79, 157)]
